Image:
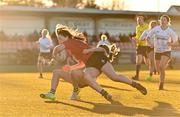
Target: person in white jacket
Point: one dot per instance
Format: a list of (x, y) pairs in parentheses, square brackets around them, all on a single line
[(164, 39)]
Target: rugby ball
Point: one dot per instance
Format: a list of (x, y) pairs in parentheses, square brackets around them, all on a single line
[(61, 56)]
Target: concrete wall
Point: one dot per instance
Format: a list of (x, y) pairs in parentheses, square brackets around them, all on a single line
[(82, 24), (175, 24), (116, 26), (21, 25), (28, 23)]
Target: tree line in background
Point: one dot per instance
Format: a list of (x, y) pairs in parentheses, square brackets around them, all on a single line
[(41, 3), (98, 4)]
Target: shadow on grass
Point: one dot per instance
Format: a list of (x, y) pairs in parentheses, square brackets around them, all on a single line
[(170, 90), (162, 109), (111, 87), (116, 88), (104, 86), (157, 81)]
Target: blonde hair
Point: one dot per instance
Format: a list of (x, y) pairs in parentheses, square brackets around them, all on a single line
[(167, 17), (58, 27), (47, 33), (103, 37), (68, 31), (150, 23)]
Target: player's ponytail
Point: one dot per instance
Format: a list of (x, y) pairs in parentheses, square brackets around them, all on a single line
[(69, 32)]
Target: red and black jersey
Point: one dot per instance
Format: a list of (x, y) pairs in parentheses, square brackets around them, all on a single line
[(75, 48)]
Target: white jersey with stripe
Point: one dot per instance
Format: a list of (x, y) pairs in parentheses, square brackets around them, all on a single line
[(161, 38), (145, 35), (45, 45)]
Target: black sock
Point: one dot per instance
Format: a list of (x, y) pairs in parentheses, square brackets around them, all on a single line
[(76, 89), (150, 74), (137, 70), (154, 71), (133, 84), (53, 91), (104, 93)]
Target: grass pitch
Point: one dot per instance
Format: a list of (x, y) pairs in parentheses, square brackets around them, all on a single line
[(19, 97)]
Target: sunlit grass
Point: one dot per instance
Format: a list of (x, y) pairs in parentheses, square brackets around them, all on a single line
[(19, 96)]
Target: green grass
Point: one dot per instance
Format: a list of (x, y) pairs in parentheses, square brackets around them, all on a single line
[(22, 68), (33, 68), (19, 97)]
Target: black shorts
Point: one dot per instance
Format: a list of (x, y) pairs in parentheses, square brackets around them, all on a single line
[(142, 50), (105, 47), (149, 49), (158, 55), (97, 60), (45, 55)]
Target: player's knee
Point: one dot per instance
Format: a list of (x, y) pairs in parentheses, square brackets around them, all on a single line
[(150, 63), (40, 61), (161, 67)]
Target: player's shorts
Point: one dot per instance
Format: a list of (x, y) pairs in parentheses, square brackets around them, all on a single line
[(45, 55), (142, 50), (159, 55), (105, 47), (97, 60), (149, 49)]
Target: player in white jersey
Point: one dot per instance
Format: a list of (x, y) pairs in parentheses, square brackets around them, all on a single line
[(45, 46), (150, 48), (103, 41), (164, 39), (111, 49)]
